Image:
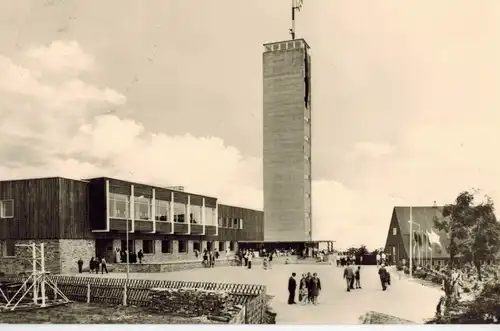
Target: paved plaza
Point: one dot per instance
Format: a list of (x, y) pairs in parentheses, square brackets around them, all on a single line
[(404, 298)]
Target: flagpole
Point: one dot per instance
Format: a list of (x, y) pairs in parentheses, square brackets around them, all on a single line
[(426, 248), (431, 254), (419, 249), (411, 242)]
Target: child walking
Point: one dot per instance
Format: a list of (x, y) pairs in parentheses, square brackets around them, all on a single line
[(357, 277)]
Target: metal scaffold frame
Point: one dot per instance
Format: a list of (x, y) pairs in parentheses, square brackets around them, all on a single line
[(39, 281)]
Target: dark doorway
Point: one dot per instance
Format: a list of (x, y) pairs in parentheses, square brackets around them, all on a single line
[(131, 245), (104, 248)]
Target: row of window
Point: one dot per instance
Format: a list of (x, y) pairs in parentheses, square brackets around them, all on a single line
[(230, 223), (7, 208), (148, 246), (119, 207)]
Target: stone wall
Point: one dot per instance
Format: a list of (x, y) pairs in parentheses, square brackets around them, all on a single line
[(195, 303), (74, 249), (22, 261), (166, 266)]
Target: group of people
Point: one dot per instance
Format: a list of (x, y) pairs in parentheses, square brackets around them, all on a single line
[(309, 289), (133, 257), (352, 276), (95, 264), (209, 257)]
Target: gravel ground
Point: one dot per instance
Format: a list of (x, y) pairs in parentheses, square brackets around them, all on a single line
[(82, 313)]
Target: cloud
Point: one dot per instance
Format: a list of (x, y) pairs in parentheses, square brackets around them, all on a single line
[(58, 125), (370, 149), (61, 57)]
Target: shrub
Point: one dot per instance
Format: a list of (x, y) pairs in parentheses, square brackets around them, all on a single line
[(483, 309)]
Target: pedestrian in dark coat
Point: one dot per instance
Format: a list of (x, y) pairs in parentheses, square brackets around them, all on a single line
[(309, 288), (348, 276), (292, 287), (80, 265), (384, 276), (91, 265), (315, 288)]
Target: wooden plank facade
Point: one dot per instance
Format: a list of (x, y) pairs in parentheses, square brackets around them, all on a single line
[(46, 208), (60, 208), (252, 228)]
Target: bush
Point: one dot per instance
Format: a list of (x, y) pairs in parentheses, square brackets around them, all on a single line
[(483, 309)]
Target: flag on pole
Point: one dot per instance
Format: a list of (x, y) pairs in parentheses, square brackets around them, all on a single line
[(434, 238)]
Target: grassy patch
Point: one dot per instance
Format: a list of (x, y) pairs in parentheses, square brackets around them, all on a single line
[(374, 317), (82, 313)]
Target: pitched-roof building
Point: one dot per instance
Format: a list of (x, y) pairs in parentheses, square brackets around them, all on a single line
[(434, 242)]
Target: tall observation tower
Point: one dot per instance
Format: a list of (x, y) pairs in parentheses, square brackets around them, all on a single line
[(287, 139)]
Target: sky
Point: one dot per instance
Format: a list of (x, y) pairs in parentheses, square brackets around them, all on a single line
[(405, 99)]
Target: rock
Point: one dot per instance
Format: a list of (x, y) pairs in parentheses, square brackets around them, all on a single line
[(188, 302)]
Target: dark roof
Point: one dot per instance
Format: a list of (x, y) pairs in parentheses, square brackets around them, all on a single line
[(424, 216), (148, 185), (42, 178)]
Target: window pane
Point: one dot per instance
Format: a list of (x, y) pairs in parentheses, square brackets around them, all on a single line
[(179, 212), (195, 216), (120, 209), (210, 218), (166, 246), (7, 208), (182, 246), (8, 248), (118, 205), (142, 208), (148, 246), (162, 210), (197, 246)]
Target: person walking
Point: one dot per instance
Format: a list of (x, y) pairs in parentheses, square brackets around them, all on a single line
[(315, 288), (80, 265), (92, 265), (348, 276), (384, 277), (103, 265), (303, 289), (353, 268), (292, 287), (249, 260), (357, 276), (140, 256), (384, 258), (378, 259), (246, 255)]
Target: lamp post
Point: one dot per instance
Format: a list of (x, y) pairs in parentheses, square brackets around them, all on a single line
[(127, 247)]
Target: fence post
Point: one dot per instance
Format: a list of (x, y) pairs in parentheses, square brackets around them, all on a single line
[(125, 294), (55, 290), (88, 292)]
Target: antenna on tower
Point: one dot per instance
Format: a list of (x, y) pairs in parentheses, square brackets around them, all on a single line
[(296, 5)]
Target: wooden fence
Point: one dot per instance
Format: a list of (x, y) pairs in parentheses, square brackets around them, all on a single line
[(111, 291)]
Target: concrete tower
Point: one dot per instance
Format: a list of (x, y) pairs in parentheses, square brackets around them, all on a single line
[(287, 141)]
